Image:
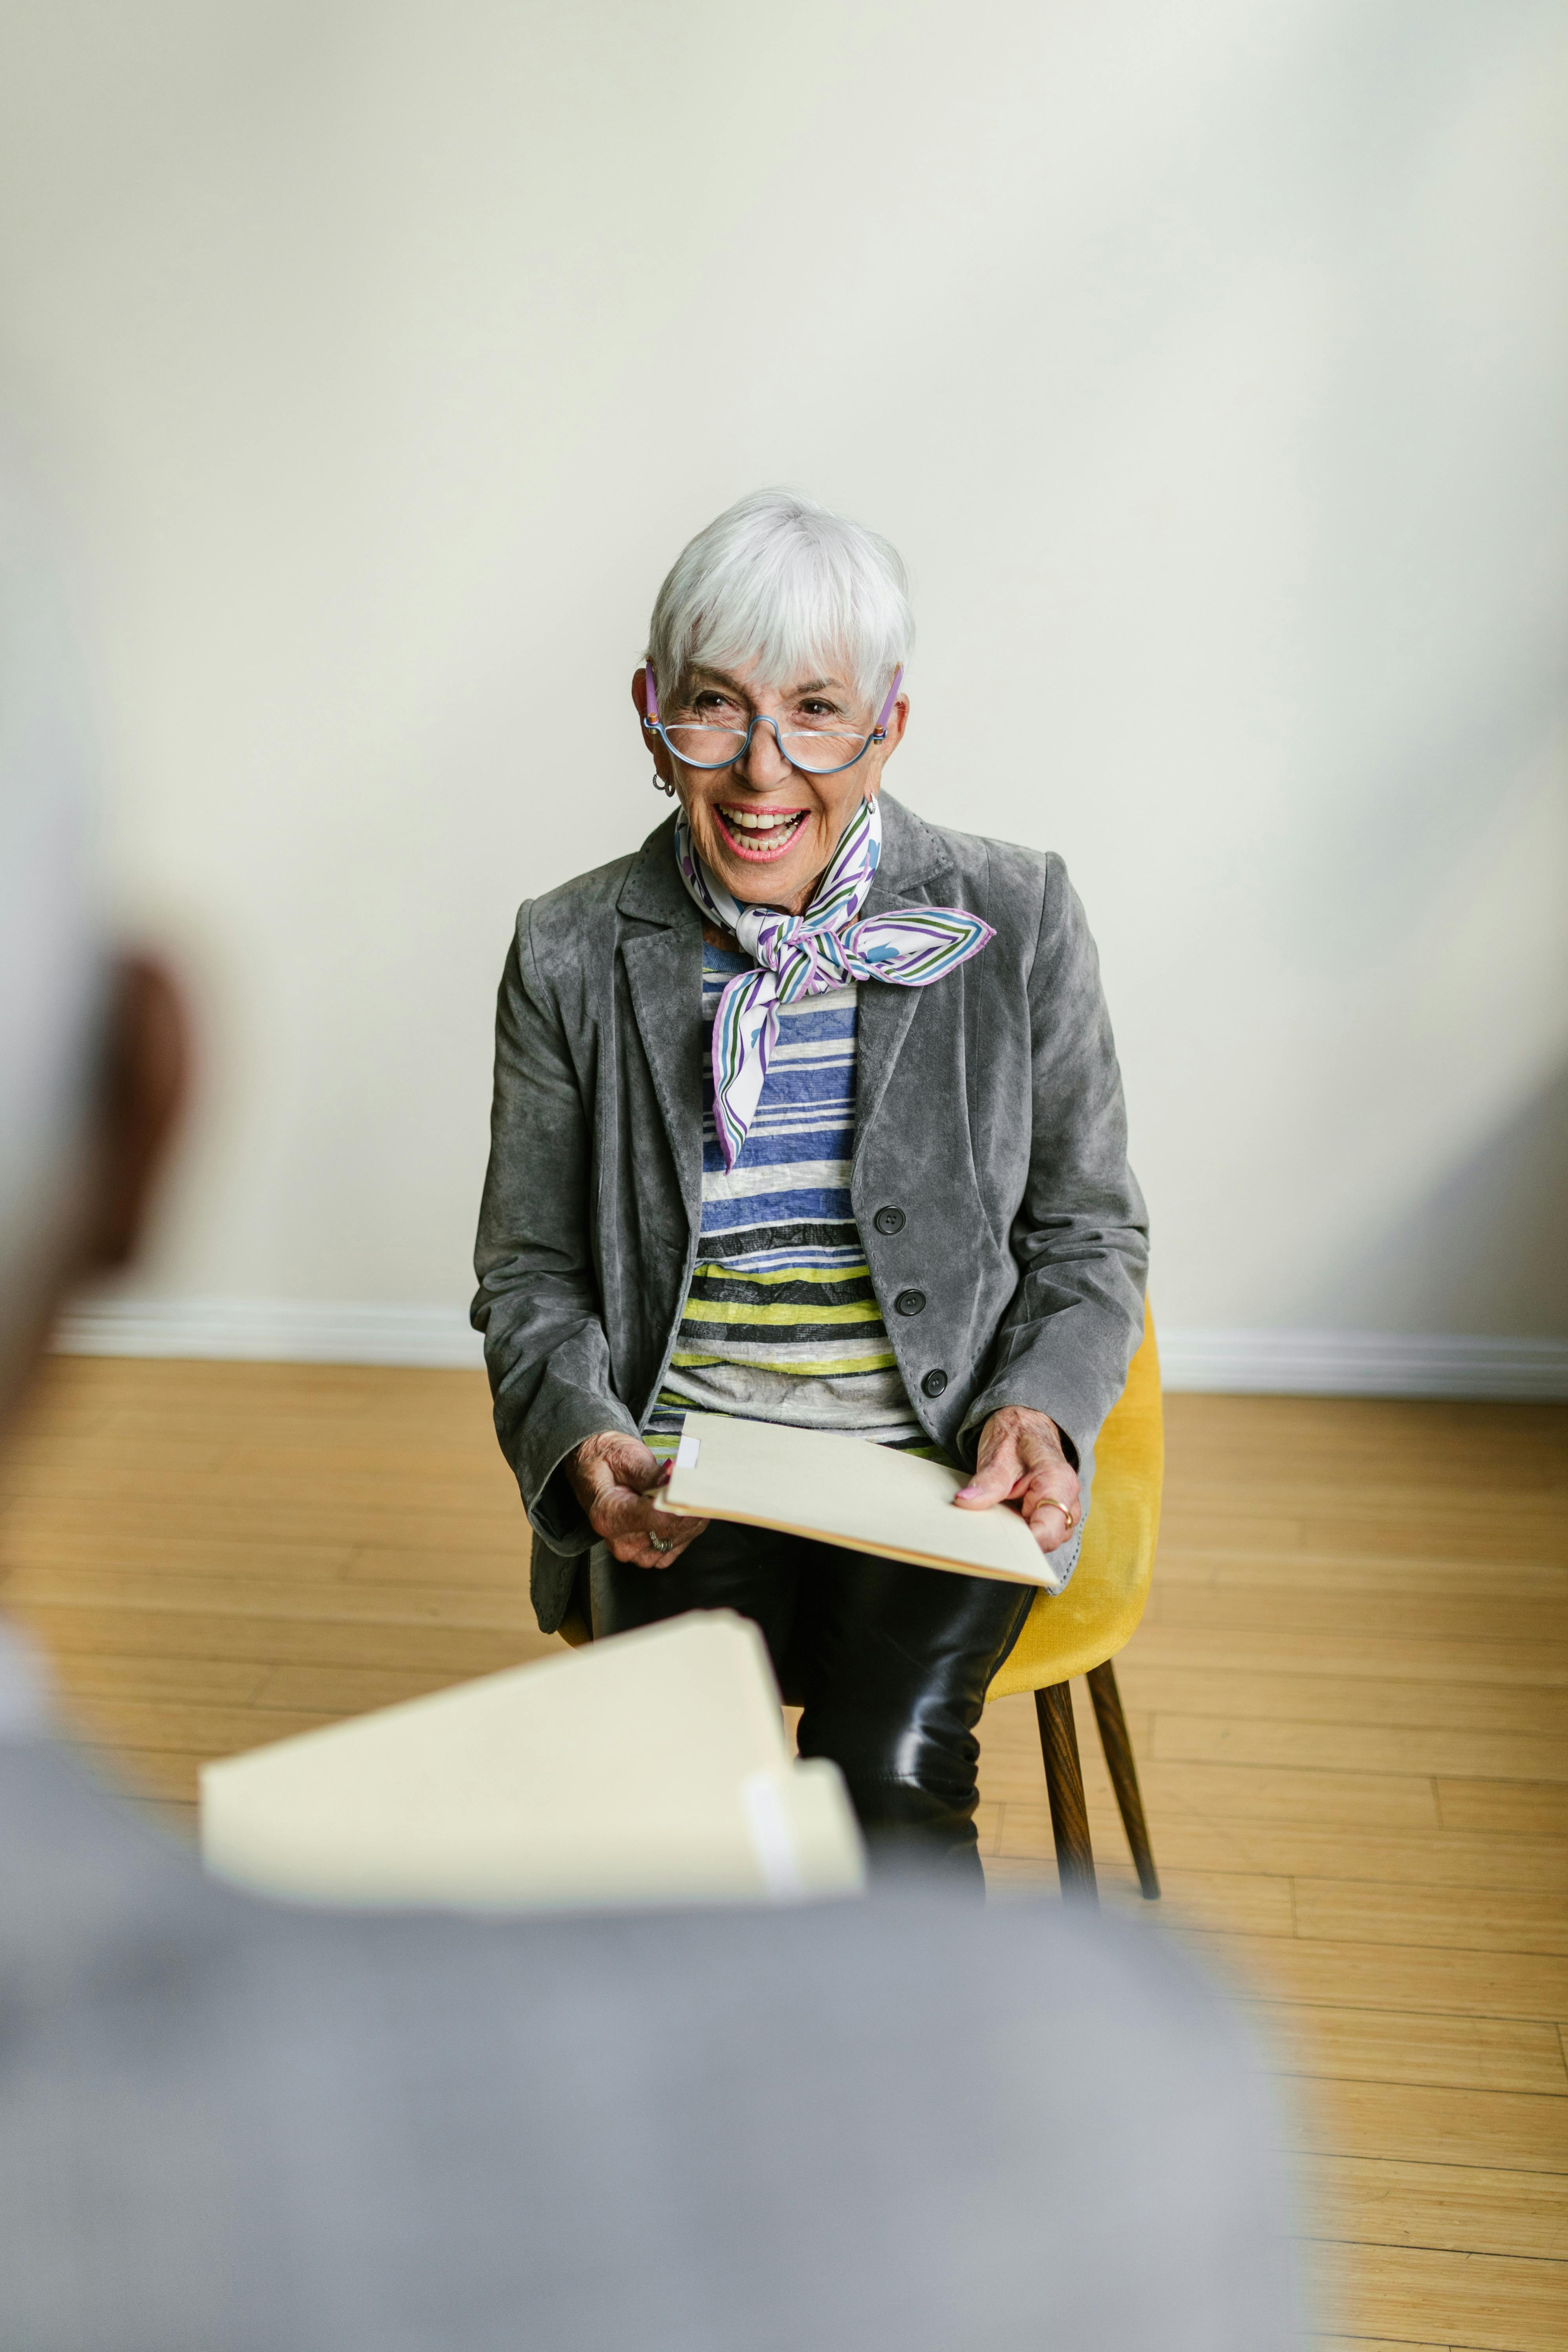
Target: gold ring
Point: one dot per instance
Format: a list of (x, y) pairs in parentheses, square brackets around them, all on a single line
[(1068, 1515)]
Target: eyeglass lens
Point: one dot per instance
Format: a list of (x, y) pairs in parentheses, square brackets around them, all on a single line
[(816, 750)]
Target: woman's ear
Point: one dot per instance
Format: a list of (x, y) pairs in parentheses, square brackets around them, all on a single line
[(898, 720), (144, 1070), (663, 767)]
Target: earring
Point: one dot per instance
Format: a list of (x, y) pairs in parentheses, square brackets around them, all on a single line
[(656, 780)]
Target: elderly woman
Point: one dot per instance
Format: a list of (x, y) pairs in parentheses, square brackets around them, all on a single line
[(807, 1111)]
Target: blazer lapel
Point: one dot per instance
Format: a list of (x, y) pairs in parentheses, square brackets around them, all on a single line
[(885, 1011), (664, 971), (910, 853), (664, 968)]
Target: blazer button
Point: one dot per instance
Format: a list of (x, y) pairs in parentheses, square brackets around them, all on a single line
[(889, 1221), (934, 1383), (909, 1302)]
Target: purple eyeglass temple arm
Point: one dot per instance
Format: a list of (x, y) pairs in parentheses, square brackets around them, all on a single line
[(892, 698), (650, 715)]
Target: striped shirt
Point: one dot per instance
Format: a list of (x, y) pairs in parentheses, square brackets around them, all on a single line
[(781, 1322)]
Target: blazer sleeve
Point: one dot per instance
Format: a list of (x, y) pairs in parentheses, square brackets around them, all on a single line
[(538, 1300), (1080, 1238)]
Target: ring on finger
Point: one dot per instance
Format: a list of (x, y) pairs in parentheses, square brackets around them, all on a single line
[(1070, 1516), (658, 1543)]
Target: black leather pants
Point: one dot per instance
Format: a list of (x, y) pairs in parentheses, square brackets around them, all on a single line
[(891, 1663)]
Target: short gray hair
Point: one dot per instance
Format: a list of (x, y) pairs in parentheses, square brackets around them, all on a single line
[(781, 582)]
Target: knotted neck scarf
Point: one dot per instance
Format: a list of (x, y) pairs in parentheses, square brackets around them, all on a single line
[(802, 955)]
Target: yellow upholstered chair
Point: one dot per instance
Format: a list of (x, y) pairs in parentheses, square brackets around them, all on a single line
[(1078, 1632)]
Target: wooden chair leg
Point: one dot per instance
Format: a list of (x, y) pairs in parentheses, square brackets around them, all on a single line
[(1118, 1749), (1064, 1786)]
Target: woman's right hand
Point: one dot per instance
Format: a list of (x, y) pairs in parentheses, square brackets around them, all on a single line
[(613, 1478)]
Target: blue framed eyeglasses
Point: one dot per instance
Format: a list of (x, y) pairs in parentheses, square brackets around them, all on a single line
[(824, 750)]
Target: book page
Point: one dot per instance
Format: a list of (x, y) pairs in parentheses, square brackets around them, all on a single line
[(648, 1768), (846, 1490)]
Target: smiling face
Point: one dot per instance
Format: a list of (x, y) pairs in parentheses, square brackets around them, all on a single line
[(763, 827)]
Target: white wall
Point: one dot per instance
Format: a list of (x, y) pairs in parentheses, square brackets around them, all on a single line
[(1209, 365)]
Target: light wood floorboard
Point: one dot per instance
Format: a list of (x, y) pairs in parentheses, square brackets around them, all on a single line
[(1352, 1730)]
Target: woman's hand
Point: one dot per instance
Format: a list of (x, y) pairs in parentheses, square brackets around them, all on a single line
[(1021, 1461), (612, 1476)]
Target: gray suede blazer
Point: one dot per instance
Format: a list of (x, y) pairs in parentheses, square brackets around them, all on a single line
[(990, 1176)]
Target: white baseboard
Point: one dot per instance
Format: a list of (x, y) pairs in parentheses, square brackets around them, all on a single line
[(273, 1330), (1362, 1363), (1280, 1363)]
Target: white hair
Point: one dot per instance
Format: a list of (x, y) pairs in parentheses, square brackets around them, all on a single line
[(51, 968), (779, 581)]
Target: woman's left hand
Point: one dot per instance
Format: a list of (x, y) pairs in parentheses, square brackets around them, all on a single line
[(1021, 1461)]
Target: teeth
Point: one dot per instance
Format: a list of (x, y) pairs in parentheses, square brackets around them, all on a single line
[(761, 820)]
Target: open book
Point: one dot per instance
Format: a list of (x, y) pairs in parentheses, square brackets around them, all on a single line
[(650, 1768), (846, 1490)]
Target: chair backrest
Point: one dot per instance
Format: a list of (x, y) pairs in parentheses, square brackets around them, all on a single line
[(1066, 1634)]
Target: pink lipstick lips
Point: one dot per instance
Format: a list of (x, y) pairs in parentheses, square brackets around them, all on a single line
[(759, 835)]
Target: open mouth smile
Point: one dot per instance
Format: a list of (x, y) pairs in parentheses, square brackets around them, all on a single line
[(759, 835)]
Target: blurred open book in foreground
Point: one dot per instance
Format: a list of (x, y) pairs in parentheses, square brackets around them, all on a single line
[(650, 1767)]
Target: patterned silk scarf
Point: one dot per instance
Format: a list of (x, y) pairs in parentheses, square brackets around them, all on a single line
[(801, 955)]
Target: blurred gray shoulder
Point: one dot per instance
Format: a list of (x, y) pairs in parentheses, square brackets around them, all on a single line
[(406, 2126)]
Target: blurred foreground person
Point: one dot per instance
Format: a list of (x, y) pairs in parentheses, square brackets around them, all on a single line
[(898, 2123)]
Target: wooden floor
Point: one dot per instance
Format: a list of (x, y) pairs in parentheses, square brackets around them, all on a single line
[(1349, 1701)]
